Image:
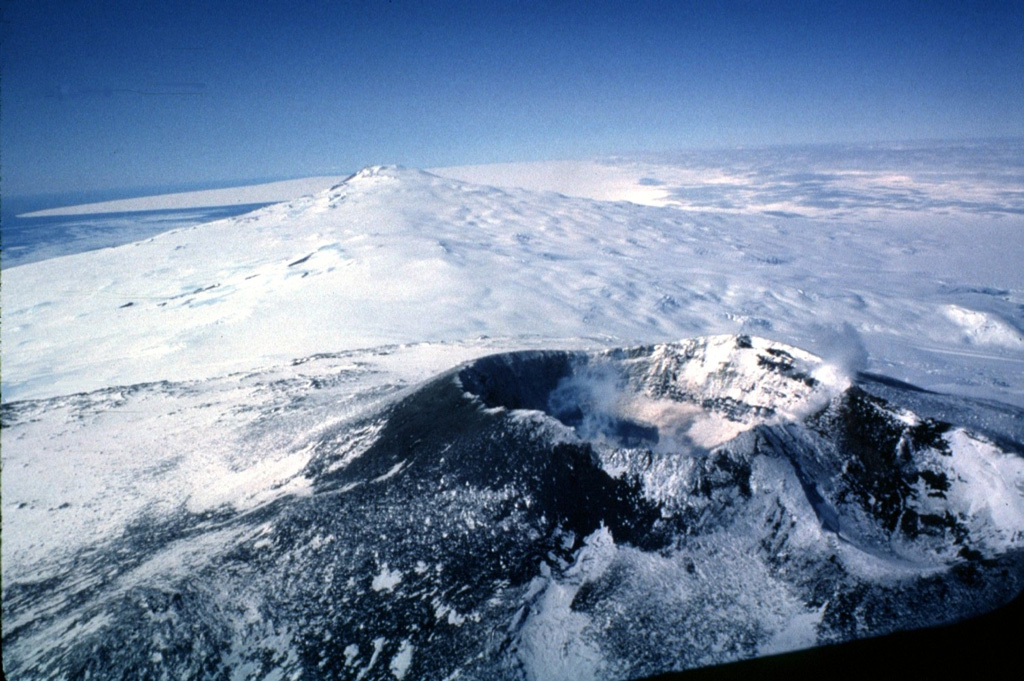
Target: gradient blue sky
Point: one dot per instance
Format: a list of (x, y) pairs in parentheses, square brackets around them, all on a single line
[(104, 94)]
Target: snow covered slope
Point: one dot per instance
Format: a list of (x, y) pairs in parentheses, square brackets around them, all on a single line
[(414, 425), (396, 255), (543, 514)]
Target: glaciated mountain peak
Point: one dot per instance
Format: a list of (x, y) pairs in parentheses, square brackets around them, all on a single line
[(379, 176), (401, 255), (374, 174)]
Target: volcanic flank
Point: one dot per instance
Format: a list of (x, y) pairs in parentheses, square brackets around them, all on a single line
[(395, 255), (405, 428), (560, 514)]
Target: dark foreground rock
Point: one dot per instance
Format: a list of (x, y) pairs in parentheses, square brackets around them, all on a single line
[(547, 515)]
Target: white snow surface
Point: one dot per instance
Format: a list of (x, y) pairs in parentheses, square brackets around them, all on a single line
[(933, 295), (78, 469), (173, 367), (386, 580), (401, 661)]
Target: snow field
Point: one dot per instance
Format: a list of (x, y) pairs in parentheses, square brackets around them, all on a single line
[(398, 255)]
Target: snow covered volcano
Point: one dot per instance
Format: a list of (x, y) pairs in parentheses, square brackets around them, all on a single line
[(396, 255), (420, 426), (539, 514)]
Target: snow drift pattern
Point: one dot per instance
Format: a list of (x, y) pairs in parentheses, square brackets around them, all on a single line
[(396, 255)]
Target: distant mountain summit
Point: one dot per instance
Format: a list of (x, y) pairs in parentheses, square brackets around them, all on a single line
[(566, 514), (398, 255)]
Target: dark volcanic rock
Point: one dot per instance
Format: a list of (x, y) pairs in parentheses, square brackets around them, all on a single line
[(564, 515)]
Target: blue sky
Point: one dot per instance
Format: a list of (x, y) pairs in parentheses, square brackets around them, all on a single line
[(104, 94)]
